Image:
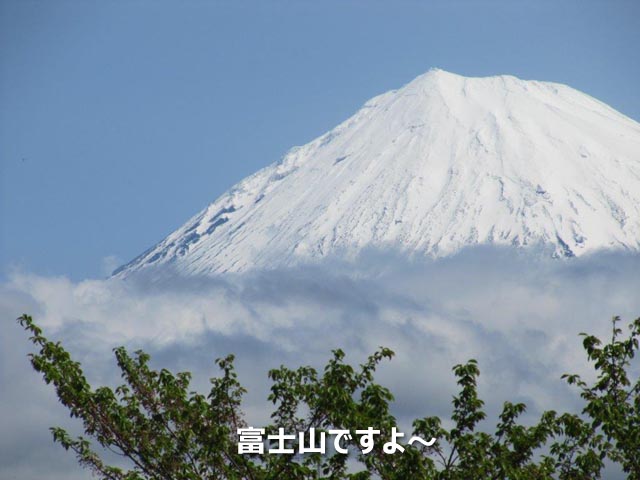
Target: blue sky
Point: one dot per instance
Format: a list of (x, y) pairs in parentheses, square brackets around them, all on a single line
[(119, 120)]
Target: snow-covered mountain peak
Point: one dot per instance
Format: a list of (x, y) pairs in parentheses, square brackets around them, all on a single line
[(444, 162)]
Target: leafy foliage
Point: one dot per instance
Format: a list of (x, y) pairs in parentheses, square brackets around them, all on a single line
[(166, 431)]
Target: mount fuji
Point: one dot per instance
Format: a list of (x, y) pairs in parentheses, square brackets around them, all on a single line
[(442, 163)]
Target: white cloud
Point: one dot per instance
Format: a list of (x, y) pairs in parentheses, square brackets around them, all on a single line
[(519, 315)]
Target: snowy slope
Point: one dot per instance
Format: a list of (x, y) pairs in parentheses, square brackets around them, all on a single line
[(442, 163)]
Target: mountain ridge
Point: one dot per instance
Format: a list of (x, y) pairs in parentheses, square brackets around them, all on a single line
[(442, 163)]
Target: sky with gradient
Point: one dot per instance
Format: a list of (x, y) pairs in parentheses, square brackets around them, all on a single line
[(120, 120)]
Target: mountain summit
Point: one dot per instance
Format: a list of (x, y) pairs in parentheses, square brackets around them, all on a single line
[(442, 163)]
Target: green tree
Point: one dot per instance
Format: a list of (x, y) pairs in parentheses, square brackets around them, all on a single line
[(167, 431), (613, 401)]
